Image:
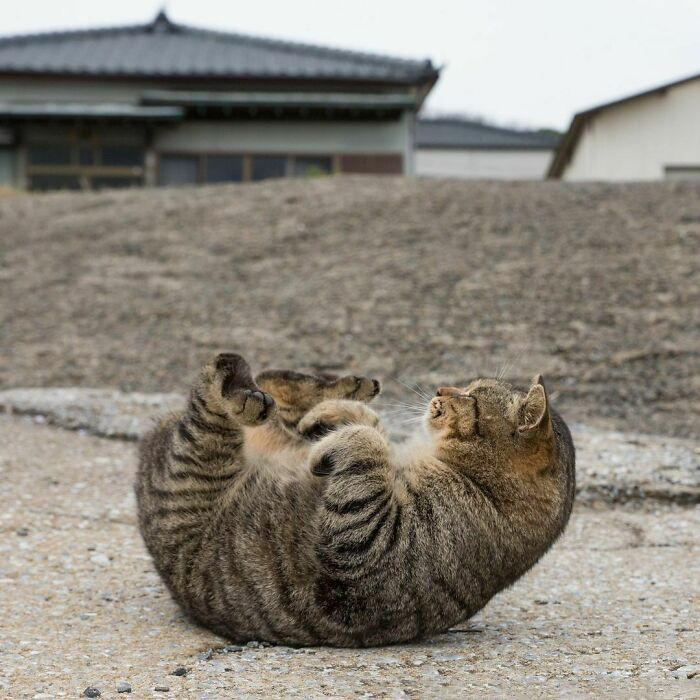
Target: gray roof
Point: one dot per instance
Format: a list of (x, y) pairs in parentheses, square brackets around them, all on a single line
[(468, 134), (164, 49)]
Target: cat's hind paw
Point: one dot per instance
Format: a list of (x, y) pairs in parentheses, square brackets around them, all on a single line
[(231, 386)]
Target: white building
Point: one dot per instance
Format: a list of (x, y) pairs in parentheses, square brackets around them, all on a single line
[(164, 103), (648, 136), (470, 149)]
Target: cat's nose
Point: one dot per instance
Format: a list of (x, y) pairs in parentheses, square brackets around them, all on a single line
[(449, 391)]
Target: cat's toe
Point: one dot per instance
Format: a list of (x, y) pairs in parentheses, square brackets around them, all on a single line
[(251, 406)]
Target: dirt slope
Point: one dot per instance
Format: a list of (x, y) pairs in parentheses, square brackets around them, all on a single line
[(597, 286)]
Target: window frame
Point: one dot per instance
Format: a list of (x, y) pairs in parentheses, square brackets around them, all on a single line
[(77, 142), (247, 158)]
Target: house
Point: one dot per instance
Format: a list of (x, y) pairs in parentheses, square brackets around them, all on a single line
[(471, 149), (652, 135), (163, 103)]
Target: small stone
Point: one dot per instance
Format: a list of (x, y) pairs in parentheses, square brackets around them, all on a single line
[(687, 672), (232, 648), (100, 559), (162, 688), (123, 687), (179, 671), (91, 692), (23, 531), (205, 655)]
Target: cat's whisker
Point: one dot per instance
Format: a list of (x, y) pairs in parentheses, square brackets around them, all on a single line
[(422, 394), (508, 365)]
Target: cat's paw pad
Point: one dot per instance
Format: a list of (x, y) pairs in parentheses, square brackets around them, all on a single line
[(240, 396), (250, 406)]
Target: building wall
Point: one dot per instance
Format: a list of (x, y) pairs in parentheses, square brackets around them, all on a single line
[(285, 136), (362, 137), (640, 139), (488, 164)]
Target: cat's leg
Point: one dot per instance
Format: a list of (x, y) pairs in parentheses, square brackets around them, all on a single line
[(296, 393), (191, 459), (365, 535), (333, 414)]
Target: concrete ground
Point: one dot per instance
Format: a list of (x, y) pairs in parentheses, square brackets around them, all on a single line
[(611, 611)]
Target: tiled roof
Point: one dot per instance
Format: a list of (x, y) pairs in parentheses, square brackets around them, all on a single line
[(463, 133), (165, 49)]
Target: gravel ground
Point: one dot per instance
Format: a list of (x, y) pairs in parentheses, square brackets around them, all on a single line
[(609, 612), (430, 281)]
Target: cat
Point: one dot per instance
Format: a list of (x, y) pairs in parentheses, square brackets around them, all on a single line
[(277, 510)]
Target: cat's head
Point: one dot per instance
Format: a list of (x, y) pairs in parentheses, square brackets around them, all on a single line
[(494, 417)]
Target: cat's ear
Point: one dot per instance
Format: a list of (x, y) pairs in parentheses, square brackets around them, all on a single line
[(533, 416)]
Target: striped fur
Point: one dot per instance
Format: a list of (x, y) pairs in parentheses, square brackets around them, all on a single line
[(263, 531)]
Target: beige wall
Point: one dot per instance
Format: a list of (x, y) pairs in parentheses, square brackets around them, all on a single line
[(487, 164), (637, 140), (302, 137)]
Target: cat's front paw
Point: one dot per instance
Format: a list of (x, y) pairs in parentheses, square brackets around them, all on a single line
[(353, 450)]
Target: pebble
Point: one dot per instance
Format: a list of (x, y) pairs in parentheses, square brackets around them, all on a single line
[(179, 671), (162, 688), (123, 687), (687, 672), (22, 531), (91, 692), (100, 559)]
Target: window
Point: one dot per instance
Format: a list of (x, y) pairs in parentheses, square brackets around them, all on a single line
[(49, 154), (310, 167), (122, 156), (264, 167), (178, 170), (193, 168), (221, 168), (85, 158)]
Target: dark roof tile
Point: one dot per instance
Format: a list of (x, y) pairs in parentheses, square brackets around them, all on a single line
[(165, 49), (463, 133)]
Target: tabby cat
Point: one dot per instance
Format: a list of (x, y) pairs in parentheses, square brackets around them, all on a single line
[(276, 509)]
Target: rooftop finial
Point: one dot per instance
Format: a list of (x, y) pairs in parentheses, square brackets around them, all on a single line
[(161, 23)]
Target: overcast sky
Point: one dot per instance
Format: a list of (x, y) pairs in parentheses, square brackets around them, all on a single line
[(530, 63)]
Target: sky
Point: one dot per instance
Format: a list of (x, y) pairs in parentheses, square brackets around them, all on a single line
[(511, 62)]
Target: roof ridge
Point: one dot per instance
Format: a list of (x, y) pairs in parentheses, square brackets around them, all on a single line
[(163, 24), (11, 39)]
